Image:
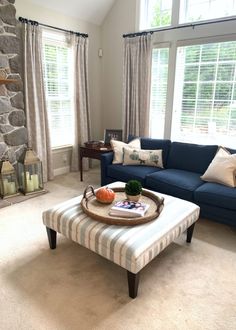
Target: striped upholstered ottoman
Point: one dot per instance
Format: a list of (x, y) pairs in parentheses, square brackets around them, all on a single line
[(129, 247)]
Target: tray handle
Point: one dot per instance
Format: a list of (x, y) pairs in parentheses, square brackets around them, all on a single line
[(86, 196), (160, 205)]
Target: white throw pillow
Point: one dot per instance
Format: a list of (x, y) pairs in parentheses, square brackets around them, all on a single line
[(143, 157), (118, 146), (222, 169)]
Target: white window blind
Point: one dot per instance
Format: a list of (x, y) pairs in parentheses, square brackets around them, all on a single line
[(158, 91), (57, 63), (197, 10), (205, 94), (155, 13)]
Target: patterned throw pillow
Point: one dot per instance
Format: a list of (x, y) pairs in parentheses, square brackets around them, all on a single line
[(222, 169), (118, 146), (143, 157)]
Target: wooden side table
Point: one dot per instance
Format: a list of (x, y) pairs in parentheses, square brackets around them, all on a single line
[(90, 152)]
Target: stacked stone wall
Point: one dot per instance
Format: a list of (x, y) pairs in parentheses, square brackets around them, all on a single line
[(13, 133)]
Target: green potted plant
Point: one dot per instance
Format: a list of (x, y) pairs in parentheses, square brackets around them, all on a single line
[(133, 190)]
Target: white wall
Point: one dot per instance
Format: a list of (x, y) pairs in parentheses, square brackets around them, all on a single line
[(120, 20), (27, 9)]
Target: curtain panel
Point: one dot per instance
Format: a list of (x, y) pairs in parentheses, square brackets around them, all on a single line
[(137, 85), (34, 97), (82, 108)]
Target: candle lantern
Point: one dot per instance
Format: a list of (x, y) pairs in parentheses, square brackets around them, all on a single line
[(30, 174), (8, 180)]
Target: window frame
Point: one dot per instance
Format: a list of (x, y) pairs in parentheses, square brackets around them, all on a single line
[(201, 41), (140, 19), (161, 45), (186, 36), (60, 40), (175, 17), (181, 14)]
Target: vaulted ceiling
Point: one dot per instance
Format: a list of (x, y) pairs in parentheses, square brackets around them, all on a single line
[(93, 11)]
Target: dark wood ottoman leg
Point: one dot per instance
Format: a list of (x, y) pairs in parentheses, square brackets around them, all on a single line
[(52, 238), (190, 233), (133, 281)]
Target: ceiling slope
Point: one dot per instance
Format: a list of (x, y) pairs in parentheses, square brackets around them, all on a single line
[(93, 11)]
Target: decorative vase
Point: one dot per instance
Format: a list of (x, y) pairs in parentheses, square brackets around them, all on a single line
[(133, 198)]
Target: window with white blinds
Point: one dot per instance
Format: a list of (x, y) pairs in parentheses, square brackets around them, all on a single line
[(58, 66), (158, 91), (155, 13), (197, 10), (205, 94)]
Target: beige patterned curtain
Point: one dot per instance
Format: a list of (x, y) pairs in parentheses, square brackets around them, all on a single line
[(82, 117), (137, 85), (34, 97)]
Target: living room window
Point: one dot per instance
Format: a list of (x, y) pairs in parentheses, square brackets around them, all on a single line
[(155, 13), (197, 10), (164, 13), (160, 58), (58, 66), (205, 93), (193, 95)]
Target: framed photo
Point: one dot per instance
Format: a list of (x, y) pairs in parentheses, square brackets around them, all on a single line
[(115, 134)]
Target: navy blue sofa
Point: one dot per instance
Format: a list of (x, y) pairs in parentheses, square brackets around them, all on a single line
[(184, 163)]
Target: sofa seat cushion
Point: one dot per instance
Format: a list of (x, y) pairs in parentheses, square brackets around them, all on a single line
[(130, 172), (217, 195), (173, 182)]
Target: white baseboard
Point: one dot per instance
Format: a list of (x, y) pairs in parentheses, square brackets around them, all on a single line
[(61, 170)]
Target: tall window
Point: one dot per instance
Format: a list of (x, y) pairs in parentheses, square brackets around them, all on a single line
[(57, 61), (197, 103), (205, 93), (156, 13), (196, 10), (158, 91)]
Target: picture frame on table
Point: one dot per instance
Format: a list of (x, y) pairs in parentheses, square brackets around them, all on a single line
[(115, 134)]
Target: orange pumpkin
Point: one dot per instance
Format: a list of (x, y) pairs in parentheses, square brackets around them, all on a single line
[(105, 195)]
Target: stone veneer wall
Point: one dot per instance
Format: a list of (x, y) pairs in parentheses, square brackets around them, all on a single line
[(13, 133)]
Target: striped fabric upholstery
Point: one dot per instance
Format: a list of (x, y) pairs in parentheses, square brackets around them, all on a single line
[(130, 247)]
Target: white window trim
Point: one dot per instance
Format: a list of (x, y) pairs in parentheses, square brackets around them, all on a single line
[(62, 148), (206, 40)]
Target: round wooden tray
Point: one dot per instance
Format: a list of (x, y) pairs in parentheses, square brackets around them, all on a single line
[(99, 211)]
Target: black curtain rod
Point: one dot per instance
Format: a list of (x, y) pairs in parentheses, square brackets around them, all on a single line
[(136, 34), (29, 21)]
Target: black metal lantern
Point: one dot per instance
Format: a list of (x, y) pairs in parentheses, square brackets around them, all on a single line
[(30, 173), (8, 180)]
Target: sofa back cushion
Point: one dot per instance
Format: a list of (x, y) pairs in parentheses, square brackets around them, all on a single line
[(191, 157), (156, 144), (142, 157), (117, 147)]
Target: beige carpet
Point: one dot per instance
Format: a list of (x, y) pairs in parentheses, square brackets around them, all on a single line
[(185, 287)]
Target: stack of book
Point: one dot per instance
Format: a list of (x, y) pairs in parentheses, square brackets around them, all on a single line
[(128, 209)]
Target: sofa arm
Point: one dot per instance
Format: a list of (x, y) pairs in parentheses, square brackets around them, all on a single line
[(106, 159)]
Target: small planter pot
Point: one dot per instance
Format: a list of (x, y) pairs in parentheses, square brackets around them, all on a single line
[(133, 198)]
